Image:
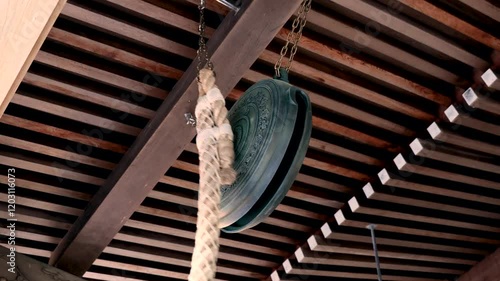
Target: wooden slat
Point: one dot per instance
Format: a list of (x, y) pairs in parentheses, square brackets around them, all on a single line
[(392, 181), (99, 75), (316, 243), (75, 115), (406, 166), (56, 169), (458, 117), (333, 105), (453, 22), (430, 150), (484, 7), (124, 30), (331, 230), (383, 76), (376, 193), (54, 152), (446, 136), (342, 220), (25, 24), (57, 208), (291, 267), (355, 135), (358, 206), (491, 79), (118, 55), (86, 95), (375, 46), (40, 187), (343, 152), (305, 255), (313, 74), (145, 163), (412, 32), (476, 100), (61, 133)]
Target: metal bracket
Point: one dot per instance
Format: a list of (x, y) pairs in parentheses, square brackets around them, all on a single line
[(231, 4), (190, 120)]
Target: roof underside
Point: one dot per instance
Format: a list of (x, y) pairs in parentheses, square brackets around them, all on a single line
[(379, 75)]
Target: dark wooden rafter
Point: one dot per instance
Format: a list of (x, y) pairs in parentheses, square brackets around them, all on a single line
[(234, 46)]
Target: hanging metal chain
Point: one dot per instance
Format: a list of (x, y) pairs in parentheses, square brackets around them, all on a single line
[(294, 36), (203, 56)]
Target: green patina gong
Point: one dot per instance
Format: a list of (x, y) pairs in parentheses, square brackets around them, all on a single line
[(272, 124)]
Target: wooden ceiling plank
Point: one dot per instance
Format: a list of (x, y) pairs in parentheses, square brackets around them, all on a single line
[(316, 243), (375, 46), (190, 26), (25, 25), (332, 230), (342, 220), (328, 80), (454, 23), (392, 181), (61, 133), (109, 52), (326, 184), (43, 205), (158, 14), (146, 254), (476, 100), (56, 169), (75, 115), (124, 30), (430, 150), (491, 79), (40, 187), (143, 165), (412, 33), (358, 206), (154, 194), (54, 152), (484, 7), (305, 255), (381, 75), (446, 136), (377, 193), (38, 221), (404, 165), (87, 96), (332, 106), (355, 135), (457, 116), (29, 251), (149, 240), (293, 267), (191, 235), (102, 76)]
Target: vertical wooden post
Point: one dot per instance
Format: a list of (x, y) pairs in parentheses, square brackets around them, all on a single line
[(24, 26)]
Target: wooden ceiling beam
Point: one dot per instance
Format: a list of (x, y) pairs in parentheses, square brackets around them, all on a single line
[(461, 117), (235, 45), (486, 270), (25, 25)]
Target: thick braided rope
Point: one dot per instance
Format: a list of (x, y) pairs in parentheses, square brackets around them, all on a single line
[(210, 132)]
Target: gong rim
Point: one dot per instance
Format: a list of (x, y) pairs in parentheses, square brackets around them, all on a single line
[(277, 116), (273, 196)]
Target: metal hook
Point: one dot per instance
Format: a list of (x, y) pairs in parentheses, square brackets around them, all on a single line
[(231, 4), (190, 120)]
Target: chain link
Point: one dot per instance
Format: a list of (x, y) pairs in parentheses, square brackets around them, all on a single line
[(293, 36), (203, 56)]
